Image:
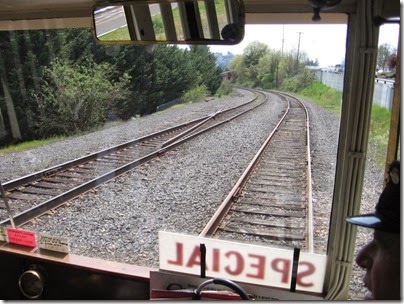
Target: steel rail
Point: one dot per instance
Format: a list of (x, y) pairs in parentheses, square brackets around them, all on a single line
[(224, 208), (69, 164), (223, 122), (310, 229), (176, 138), (209, 118)]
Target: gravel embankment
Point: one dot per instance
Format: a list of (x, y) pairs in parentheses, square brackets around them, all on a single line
[(119, 221)]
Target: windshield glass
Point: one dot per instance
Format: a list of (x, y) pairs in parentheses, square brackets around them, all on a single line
[(126, 141)]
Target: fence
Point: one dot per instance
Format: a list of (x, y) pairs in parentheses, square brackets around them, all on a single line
[(383, 91)]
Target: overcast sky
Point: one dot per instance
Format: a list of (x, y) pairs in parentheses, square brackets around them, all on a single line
[(323, 42)]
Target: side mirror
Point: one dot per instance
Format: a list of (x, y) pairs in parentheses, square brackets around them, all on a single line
[(167, 22)]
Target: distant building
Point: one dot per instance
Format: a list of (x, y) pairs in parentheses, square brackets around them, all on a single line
[(313, 67), (338, 68), (228, 75)]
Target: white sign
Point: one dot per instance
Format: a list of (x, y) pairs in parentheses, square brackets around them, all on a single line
[(241, 262), (53, 243), (3, 234)]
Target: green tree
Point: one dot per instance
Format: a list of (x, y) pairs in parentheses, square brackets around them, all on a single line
[(268, 69), (260, 66), (23, 56), (151, 75), (204, 67), (254, 52), (138, 62), (174, 74), (252, 55), (239, 70), (383, 53)]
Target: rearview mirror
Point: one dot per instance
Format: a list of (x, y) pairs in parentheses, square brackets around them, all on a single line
[(167, 22)]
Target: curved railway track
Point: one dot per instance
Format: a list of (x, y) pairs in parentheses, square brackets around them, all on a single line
[(36, 194), (271, 202)]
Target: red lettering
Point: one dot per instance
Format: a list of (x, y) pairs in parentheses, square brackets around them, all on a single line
[(239, 263), (283, 266), (195, 258), (301, 274), (260, 266), (216, 260), (180, 255)]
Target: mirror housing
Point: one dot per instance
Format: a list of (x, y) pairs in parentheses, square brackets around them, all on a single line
[(170, 22)]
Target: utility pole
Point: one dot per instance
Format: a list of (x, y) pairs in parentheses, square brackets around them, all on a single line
[(278, 58), (283, 38), (298, 48)]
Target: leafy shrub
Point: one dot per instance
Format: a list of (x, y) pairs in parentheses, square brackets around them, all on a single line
[(196, 94), (76, 98), (225, 88), (299, 81)]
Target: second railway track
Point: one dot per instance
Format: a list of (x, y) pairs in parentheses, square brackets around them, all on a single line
[(36, 194)]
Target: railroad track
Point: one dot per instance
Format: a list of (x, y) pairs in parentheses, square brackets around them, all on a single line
[(271, 202), (35, 194)]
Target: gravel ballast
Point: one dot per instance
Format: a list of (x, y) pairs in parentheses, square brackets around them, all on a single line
[(181, 190)]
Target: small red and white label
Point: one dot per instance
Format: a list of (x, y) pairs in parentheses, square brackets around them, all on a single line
[(21, 237)]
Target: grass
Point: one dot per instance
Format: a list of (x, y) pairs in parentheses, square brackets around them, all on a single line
[(27, 145), (120, 34), (30, 145), (325, 96), (379, 134), (330, 98)]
